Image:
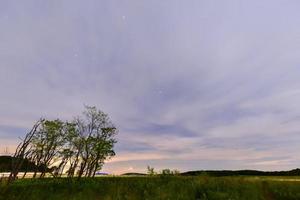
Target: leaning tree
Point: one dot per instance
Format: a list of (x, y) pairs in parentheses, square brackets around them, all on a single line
[(97, 134), (23, 150), (78, 148)]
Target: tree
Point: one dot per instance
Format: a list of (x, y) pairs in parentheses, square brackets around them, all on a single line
[(68, 149), (23, 151), (97, 134), (150, 171), (168, 172), (83, 145), (46, 144)]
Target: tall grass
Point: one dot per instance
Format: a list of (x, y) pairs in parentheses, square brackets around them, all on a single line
[(152, 188)]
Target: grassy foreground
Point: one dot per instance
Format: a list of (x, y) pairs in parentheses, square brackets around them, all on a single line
[(154, 188)]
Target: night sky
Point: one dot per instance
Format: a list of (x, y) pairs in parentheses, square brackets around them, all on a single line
[(195, 84)]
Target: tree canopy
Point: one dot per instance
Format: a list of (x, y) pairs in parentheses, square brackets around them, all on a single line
[(77, 148)]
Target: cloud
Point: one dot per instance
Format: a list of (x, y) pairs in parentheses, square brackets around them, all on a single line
[(183, 81)]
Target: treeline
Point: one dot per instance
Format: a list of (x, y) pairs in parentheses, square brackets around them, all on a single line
[(216, 173), (163, 172), (77, 148), (5, 164)]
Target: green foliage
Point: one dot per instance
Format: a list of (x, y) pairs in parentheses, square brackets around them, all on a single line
[(168, 172), (77, 147), (47, 143), (150, 171), (152, 188), (96, 136), (164, 172)]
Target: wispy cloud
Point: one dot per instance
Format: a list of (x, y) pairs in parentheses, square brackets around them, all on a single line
[(207, 83)]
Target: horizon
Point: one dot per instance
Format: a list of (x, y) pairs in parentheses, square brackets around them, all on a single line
[(190, 85)]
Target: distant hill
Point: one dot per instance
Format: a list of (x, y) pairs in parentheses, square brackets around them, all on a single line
[(6, 162), (134, 174), (294, 172), (220, 173)]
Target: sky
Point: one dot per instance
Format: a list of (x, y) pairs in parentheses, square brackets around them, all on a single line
[(191, 85)]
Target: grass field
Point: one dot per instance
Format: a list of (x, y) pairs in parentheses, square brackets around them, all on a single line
[(155, 188)]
